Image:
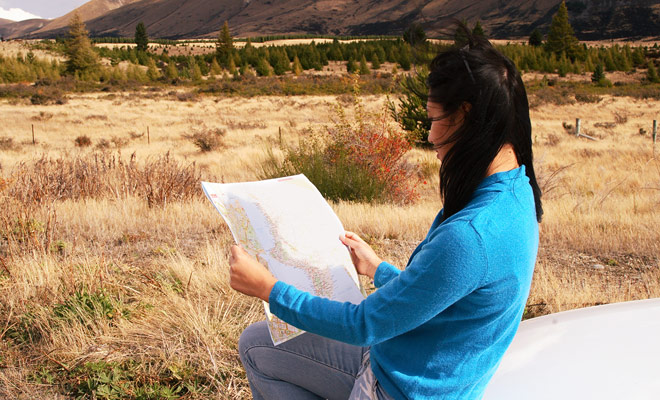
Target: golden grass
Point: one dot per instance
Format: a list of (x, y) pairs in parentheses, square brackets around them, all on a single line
[(164, 267)]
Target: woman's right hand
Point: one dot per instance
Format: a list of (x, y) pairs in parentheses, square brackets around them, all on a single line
[(364, 258)]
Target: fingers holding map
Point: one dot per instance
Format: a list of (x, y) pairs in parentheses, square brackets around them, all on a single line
[(290, 229)]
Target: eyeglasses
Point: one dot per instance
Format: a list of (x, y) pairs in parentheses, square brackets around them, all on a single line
[(462, 52)]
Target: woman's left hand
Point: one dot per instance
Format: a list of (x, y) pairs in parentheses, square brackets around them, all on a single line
[(248, 276)]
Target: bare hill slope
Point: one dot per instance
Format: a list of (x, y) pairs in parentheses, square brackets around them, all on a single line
[(592, 19), (88, 11)]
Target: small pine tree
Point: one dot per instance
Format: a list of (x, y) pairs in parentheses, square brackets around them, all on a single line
[(415, 35), (638, 56), (232, 66), (652, 73), (610, 65), (172, 73), (375, 61), (215, 67), (195, 73), (404, 60), (598, 74), (478, 30), (263, 68), (351, 66), (141, 38), (536, 38), (589, 64), (364, 68), (297, 68), (81, 57), (564, 66), (224, 46), (561, 38), (153, 73)]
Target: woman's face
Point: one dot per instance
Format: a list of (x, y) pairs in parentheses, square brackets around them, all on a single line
[(442, 127)]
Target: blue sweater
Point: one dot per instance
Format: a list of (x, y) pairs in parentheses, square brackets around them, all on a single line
[(439, 328)]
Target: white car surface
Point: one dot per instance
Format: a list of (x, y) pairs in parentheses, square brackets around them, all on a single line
[(602, 352)]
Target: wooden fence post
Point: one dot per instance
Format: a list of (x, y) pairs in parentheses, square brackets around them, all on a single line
[(33, 141), (655, 133), (148, 137), (577, 126)]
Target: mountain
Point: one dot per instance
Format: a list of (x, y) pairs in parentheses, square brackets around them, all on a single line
[(176, 19), (88, 11), (21, 28)]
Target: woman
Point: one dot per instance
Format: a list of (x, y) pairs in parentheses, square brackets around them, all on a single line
[(439, 328)]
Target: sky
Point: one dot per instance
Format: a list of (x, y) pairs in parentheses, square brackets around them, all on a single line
[(18, 10)]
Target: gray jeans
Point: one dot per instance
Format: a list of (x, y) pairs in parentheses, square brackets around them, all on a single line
[(306, 367)]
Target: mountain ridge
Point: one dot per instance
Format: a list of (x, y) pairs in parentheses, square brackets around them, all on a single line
[(178, 19)]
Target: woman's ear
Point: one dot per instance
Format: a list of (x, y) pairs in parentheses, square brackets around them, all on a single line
[(466, 107)]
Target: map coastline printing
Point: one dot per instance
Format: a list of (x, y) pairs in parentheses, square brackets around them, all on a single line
[(287, 225)]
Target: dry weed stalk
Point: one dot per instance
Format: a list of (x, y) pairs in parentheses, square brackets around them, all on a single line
[(159, 181)]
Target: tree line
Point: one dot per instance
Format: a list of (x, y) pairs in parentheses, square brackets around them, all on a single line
[(561, 53)]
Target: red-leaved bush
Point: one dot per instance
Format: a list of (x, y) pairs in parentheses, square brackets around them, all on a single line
[(358, 158)]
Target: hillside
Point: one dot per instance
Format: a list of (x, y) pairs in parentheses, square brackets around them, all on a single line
[(88, 11), (21, 28), (177, 19)]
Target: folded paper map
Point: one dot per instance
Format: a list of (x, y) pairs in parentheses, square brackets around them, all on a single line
[(287, 225)]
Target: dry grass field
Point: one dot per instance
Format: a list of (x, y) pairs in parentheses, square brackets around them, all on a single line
[(122, 284)]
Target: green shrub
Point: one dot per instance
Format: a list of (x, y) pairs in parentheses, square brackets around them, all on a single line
[(354, 160), (86, 307)]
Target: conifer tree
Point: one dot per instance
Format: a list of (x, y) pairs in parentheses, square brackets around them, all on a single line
[(380, 52), (280, 61), (335, 53), (351, 66), (297, 68), (364, 68), (404, 60), (375, 61), (478, 30), (414, 35), (224, 47), (652, 73), (610, 65), (263, 68), (195, 72), (564, 66), (141, 38), (392, 55), (536, 38), (172, 73), (561, 38), (152, 70), (589, 64), (232, 66), (215, 67), (81, 58), (638, 56), (598, 74)]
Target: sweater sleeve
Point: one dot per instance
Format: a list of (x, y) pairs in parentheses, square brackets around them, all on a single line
[(445, 269), (385, 273)]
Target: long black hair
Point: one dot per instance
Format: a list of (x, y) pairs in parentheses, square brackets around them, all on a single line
[(497, 113)]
